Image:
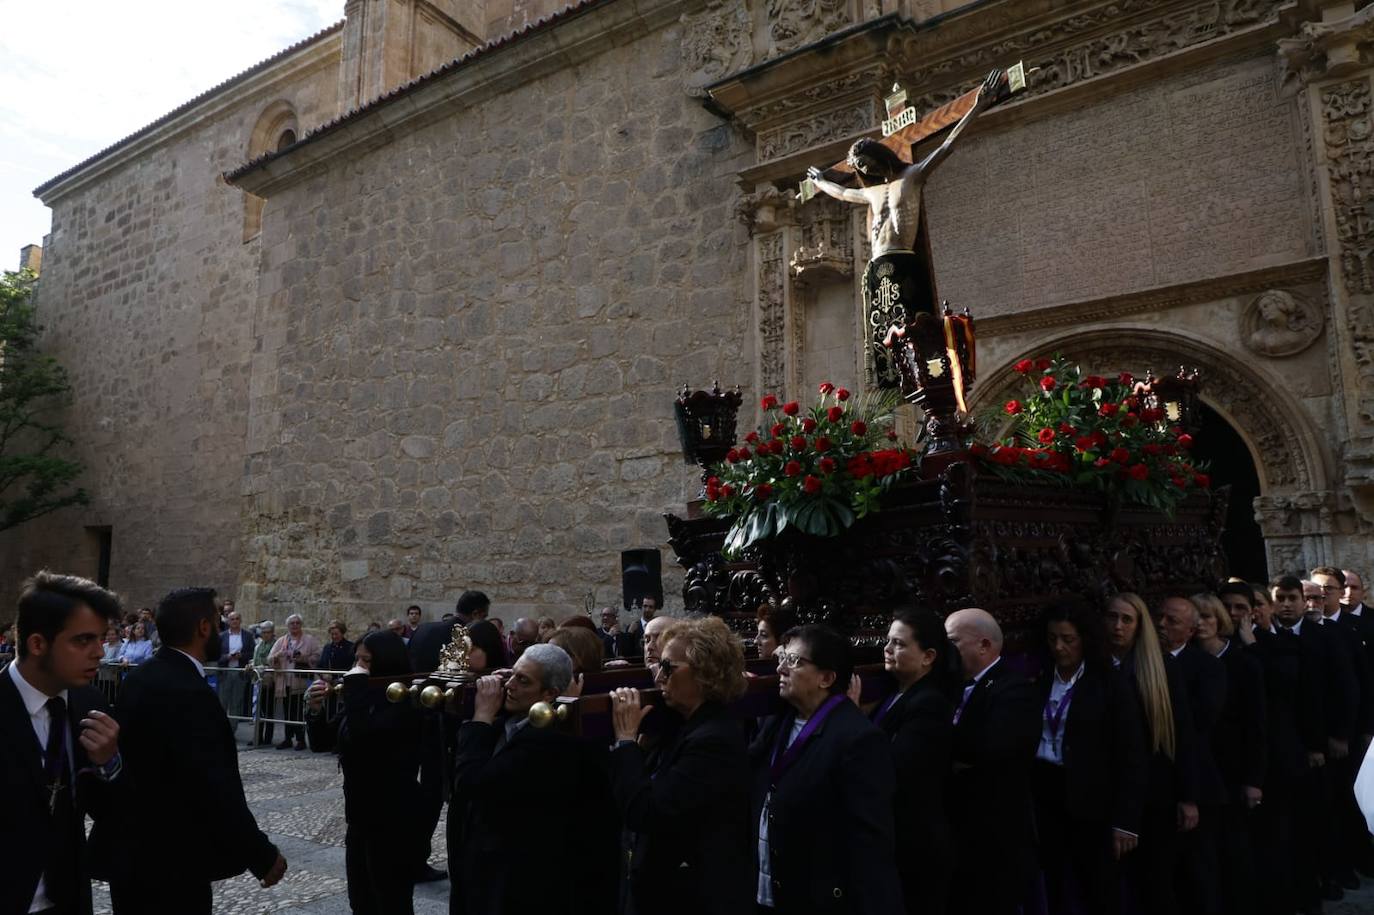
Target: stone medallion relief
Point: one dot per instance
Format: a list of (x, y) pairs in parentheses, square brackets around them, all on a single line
[(1277, 323)]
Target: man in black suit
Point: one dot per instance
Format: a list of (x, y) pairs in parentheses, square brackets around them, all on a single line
[(59, 755), (507, 775), (435, 742), (630, 643), (181, 757), (823, 790), (996, 732), (235, 654), (1205, 678)]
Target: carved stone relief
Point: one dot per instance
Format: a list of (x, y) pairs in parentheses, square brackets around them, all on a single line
[(1277, 323), (772, 314), (824, 249), (794, 23), (716, 42), (1348, 132), (1323, 49), (819, 128)]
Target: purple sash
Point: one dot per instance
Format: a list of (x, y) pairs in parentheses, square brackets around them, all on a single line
[(784, 757), (887, 707), (1054, 720)]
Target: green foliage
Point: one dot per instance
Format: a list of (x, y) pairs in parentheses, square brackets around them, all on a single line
[(816, 470), (34, 478)]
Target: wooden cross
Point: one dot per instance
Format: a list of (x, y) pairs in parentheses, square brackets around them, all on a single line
[(903, 130)]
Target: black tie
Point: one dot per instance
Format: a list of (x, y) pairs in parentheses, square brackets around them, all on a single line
[(60, 873)]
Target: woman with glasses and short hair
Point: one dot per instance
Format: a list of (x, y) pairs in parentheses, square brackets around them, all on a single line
[(823, 789), (686, 806)]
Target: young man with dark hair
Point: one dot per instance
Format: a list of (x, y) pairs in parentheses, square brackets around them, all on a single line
[(59, 750), (823, 789), (181, 754)]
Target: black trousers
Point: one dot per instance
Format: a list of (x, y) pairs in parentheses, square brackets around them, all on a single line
[(295, 711), (163, 895), (1150, 868), (380, 872), (432, 776), (267, 694), (1081, 873), (1237, 844), (1198, 888), (1289, 823)]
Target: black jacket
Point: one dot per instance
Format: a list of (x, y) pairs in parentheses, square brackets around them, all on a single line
[(1347, 635), (29, 832), (379, 752), (337, 657), (1240, 742), (245, 653), (920, 727), (990, 799), (1205, 678), (1295, 676), (179, 755), (540, 783), (687, 819), (830, 830), (1106, 766)]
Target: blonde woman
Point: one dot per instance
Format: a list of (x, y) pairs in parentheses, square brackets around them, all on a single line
[(1241, 747), (1171, 797), (686, 809)]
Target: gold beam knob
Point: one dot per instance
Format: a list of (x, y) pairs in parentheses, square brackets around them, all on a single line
[(431, 696), (542, 714), (397, 692)]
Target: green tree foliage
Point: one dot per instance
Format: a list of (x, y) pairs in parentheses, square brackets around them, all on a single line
[(34, 478)]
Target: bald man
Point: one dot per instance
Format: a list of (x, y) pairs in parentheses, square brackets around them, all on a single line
[(996, 732)]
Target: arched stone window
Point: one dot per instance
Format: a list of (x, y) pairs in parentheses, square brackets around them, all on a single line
[(276, 129)]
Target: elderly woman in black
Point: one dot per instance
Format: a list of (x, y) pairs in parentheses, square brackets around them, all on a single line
[(379, 752), (918, 718), (1091, 767), (686, 807)]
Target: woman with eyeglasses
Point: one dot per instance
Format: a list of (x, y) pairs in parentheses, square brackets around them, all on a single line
[(686, 807), (917, 718), (823, 790)]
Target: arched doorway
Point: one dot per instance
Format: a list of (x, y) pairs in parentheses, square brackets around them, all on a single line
[(1221, 448)]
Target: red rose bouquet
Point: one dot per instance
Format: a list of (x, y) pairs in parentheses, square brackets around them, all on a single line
[(1089, 430), (815, 469)]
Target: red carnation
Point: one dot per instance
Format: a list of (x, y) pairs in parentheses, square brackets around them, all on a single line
[(858, 427), (822, 444), (1152, 449), (808, 425), (768, 402), (1108, 409), (1120, 455), (1101, 462), (792, 468), (1131, 403), (1129, 420), (762, 491), (1099, 438), (1202, 480), (726, 491), (1152, 414), (826, 388), (811, 485), (1024, 366), (774, 446), (891, 435), (752, 438), (1126, 378), (1042, 364), (834, 414), (732, 456), (798, 443), (827, 465), (1180, 482), (1185, 441), (1046, 435), (777, 430), (977, 449), (1170, 449), (1093, 381), (1013, 407), (1047, 383), (791, 408), (1138, 471), (1084, 443), (841, 394), (1005, 454), (743, 454), (1066, 429)]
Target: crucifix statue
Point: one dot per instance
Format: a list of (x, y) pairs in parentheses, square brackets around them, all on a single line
[(898, 282)]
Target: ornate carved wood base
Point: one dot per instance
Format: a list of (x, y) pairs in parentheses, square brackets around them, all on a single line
[(956, 541)]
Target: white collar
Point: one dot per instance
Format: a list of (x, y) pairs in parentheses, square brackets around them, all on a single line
[(1072, 680), (200, 668), (978, 676), (34, 698), (1356, 610), (1296, 627), (1175, 651), (1333, 617)]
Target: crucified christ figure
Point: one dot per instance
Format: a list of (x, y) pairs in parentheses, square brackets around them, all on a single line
[(895, 283)]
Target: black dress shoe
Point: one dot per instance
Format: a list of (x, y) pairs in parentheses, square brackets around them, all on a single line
[(430, 874), (300, 745), (284, 745)]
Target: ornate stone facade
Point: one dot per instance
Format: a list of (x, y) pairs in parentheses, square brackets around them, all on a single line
[(447, 357)]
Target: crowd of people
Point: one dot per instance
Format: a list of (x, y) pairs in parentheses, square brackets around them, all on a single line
[(1197, 753)]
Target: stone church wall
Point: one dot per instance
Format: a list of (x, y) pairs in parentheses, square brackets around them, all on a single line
[(147, 299), (468, 343)]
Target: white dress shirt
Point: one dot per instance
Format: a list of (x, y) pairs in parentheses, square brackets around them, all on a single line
[(1051, 748), (765, 888), (200, 668), (36, 704)]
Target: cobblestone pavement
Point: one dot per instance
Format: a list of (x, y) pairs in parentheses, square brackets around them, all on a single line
[(297, 798)]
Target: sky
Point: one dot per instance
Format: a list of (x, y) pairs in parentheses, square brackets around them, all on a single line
[(78, 75)]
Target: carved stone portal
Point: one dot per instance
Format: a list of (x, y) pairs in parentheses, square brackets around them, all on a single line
[(1278, 323)]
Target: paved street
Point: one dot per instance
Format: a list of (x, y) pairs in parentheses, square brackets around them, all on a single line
[(298, 801)]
